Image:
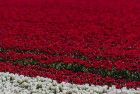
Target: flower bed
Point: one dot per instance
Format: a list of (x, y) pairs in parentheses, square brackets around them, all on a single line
[(78, 42)]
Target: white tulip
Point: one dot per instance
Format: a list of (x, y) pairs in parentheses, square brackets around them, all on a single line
[(20, 84)]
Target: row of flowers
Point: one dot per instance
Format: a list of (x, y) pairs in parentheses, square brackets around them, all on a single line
[(67, 75), (70, 64), (15, 83), (130, 64)]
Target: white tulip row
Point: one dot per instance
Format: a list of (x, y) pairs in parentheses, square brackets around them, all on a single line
[(19, 84)]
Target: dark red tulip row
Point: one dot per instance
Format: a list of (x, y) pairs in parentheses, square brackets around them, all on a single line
[(119, 65), (66, 75)]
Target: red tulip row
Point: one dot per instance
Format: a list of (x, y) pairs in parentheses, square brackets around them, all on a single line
[(66, 75), (119, 65), (103, 68)]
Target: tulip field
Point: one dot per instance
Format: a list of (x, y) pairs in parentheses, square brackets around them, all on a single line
[(69, 47)]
